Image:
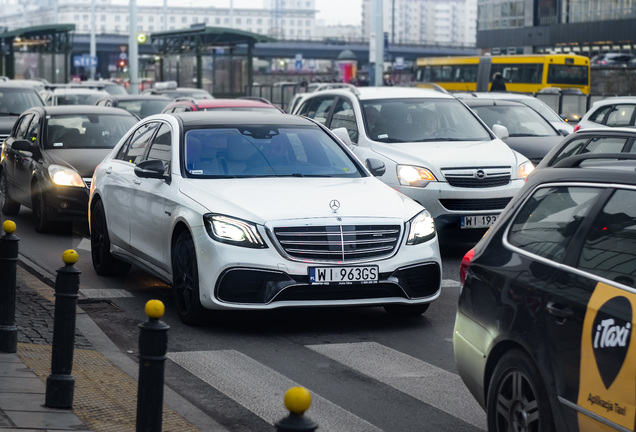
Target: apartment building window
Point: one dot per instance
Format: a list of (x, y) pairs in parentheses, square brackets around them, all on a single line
[(151, 18), (238, 21), (217, 20), (171, 20), (103, 17), (117, 17), (259, 21), (248, 21), (184, 20)]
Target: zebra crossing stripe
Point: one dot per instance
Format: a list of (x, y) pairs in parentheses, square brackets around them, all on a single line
[(432, 385), (261, 389)]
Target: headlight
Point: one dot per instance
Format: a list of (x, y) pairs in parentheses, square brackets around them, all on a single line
[(233, 231), (421, 228), (409, 175), (63, 176), (525, 169)]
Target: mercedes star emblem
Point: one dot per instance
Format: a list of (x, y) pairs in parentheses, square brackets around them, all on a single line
[(334, 205)]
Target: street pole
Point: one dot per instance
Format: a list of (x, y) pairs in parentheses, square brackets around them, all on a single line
[(93, 49), (133, 57), (379, 43)]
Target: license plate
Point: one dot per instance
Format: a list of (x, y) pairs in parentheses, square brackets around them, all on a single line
[(343, 275), (481, 221)]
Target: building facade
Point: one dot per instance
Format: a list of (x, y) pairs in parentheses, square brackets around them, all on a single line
[(584, 27), (424, 22)]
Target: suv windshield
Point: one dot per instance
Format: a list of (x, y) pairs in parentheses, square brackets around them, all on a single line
[(420, 120), (15, 100)]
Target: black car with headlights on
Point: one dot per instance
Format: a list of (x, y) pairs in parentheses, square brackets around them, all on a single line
[(49, 157), (543, 333)]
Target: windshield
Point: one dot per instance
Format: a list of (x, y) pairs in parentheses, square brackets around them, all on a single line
[(78, 98), (143, 108), (540, 107), (421, 120), (520, 120), (86, 131), (265, 151), (15, 100)]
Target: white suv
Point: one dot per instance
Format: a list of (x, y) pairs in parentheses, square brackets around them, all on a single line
[(458, 169)]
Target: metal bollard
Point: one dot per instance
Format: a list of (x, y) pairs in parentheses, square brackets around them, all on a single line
[(60, 384), (8, 263), (153, 345), (297, 401)]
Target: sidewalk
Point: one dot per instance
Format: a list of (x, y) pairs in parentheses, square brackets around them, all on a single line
[(105, 392)]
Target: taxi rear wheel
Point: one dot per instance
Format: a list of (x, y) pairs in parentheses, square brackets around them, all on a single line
[(517, 398), (185, 280)]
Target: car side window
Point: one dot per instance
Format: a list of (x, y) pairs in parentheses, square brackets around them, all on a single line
[(599, 115), (594, 145), (319, 107), (137, 144), (621, 115), (22, 126), (161, 146), (549, 219), (609, 249), (32, 132), (343, 116)]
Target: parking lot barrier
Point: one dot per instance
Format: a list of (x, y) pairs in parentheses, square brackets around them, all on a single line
[(8, 262), (297, 401), (60, 384), (153, 345)]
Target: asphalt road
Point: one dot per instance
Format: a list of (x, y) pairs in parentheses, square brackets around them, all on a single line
[(366, 370)]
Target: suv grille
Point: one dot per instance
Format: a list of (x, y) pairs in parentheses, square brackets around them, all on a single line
[(477, 177), (338, 243), (475, 204)]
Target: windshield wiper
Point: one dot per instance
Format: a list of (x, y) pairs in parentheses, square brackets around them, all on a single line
[(9, 114)]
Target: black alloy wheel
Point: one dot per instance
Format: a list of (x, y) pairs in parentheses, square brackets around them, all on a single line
[(104, 263), (185, 280), (41, 221), (517, 399), (9, 207)]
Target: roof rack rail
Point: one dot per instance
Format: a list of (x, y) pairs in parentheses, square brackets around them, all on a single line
[(432, 86), (577, 160)]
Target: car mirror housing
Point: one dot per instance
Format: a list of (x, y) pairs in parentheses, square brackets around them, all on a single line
[(344, 136), (151, 169), (500, 131), (376, 166), (24, 145)]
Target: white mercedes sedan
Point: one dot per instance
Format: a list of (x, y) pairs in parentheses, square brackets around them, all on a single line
[(243, 210)]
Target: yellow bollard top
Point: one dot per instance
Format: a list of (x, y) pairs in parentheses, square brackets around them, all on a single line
[(155, 308), (9, 227), (297, 400), (69, 256)]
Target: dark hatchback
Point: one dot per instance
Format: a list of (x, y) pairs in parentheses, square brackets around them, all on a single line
[(543, 333), (49, 158), (15, 97)]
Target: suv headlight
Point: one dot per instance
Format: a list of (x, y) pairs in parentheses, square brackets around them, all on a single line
[(409, 175), (233, 231), (64, 176), (525, 169), (421, 228)]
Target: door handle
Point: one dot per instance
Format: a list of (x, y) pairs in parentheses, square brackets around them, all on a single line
[(559, 310)]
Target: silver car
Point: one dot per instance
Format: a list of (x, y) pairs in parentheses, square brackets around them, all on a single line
[(433, 149), (617, 111)]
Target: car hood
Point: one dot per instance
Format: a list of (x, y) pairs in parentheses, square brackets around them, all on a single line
[(266, 199), (534, 147), (6, 124), (83, 161), (449, 154)]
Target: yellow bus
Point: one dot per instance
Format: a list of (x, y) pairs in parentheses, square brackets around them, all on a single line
[(522, 73)]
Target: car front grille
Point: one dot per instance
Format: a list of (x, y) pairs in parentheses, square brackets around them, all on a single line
[(338, 243), (477, 177), (474, 204)]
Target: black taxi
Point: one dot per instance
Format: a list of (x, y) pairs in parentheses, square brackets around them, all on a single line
[(543, 332)]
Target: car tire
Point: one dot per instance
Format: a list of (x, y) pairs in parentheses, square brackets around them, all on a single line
[(406, 310), (517, 398), (104, 263), (9, 207), (40, 220), (185, 280)]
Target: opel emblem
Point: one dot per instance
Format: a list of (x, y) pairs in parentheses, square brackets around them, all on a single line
[(334, 205), (480, 174)]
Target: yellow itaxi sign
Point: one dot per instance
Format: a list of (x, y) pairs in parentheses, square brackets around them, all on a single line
[(607, 383)]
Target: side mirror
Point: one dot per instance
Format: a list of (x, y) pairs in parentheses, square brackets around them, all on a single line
[(151, 169), (24, 145), (344, 136), (500, 131), (376, 167), (564, 132)]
